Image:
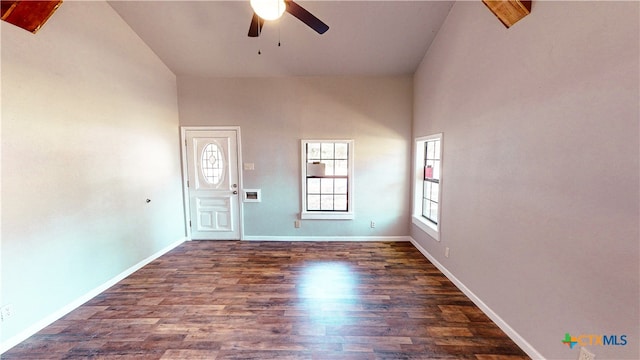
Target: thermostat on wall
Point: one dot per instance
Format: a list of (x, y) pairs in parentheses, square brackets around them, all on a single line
[(251, 195)]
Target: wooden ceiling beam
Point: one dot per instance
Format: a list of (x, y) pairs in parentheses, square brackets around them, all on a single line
[(29, 15), (509, 12)]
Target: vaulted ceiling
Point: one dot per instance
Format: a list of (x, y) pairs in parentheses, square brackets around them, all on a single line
[(209, 38)]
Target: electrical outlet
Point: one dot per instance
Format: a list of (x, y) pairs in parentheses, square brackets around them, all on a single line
[(296, 224), (6, 312), (586, 354), (373, 224), (446, 252)]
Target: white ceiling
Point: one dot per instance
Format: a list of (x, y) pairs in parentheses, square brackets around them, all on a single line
[(209, 38)]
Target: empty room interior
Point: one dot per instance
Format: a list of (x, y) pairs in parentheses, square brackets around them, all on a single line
[(427, 144)]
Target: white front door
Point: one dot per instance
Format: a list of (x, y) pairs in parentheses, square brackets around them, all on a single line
[(212, 180)]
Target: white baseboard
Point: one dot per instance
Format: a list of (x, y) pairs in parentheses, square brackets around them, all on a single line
[(22, 336), (327, 238), (511, 333)]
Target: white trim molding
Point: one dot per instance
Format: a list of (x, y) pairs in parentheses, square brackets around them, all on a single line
[(24, 335), (328, 238), (503, 325)]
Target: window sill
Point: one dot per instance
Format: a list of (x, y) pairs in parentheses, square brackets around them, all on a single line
[(426, 226), (326, 216)]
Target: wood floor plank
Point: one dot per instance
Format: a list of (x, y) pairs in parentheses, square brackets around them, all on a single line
[(277, 300)]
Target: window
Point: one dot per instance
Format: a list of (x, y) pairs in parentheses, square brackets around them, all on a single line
[(428, 184), (327, 179)]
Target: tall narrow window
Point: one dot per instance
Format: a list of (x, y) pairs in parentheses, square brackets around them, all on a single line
[(327, 179), (431, 182), (428, 184)]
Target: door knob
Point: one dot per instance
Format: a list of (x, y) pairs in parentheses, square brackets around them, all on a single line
[(235, 192)]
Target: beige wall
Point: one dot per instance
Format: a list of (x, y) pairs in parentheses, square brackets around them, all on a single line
[(89, 131), (541, 176), (276, 113)]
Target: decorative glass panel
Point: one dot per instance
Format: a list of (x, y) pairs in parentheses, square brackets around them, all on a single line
[(212, 164)]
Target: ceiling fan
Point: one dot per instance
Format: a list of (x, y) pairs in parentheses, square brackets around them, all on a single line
[(273, 9)]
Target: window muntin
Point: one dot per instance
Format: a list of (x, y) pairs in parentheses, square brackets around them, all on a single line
[(327, 179)]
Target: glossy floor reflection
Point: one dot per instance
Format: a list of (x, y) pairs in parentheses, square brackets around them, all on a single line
[(328, 291)]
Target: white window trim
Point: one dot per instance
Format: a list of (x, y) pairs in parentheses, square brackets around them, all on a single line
[(423, 224), (326, 215)]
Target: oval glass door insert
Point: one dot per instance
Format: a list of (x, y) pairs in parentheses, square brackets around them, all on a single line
[(212, 164)]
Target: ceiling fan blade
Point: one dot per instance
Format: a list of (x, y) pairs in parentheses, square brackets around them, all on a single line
[(306, 17), (256, 25)]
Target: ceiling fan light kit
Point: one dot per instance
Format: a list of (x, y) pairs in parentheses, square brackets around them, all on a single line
[(268, 9), (277, 8)]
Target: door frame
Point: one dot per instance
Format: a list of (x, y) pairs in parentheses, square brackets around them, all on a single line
[(185, 174)]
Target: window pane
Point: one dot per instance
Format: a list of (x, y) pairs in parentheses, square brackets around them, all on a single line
[(313, 151), (430, 163), (329, 167), (326, 202), (430, 150), (340, 202), (436, 169), (313, 202), (425, 208), (426, 189), (313, 186), (435, 189), (341, 167), (434, 212), (342, 150), (340, 186), (326, 186), (326, 151), (437, 150)]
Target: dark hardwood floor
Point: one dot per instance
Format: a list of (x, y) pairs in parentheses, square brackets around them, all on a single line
[(277, 300)]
